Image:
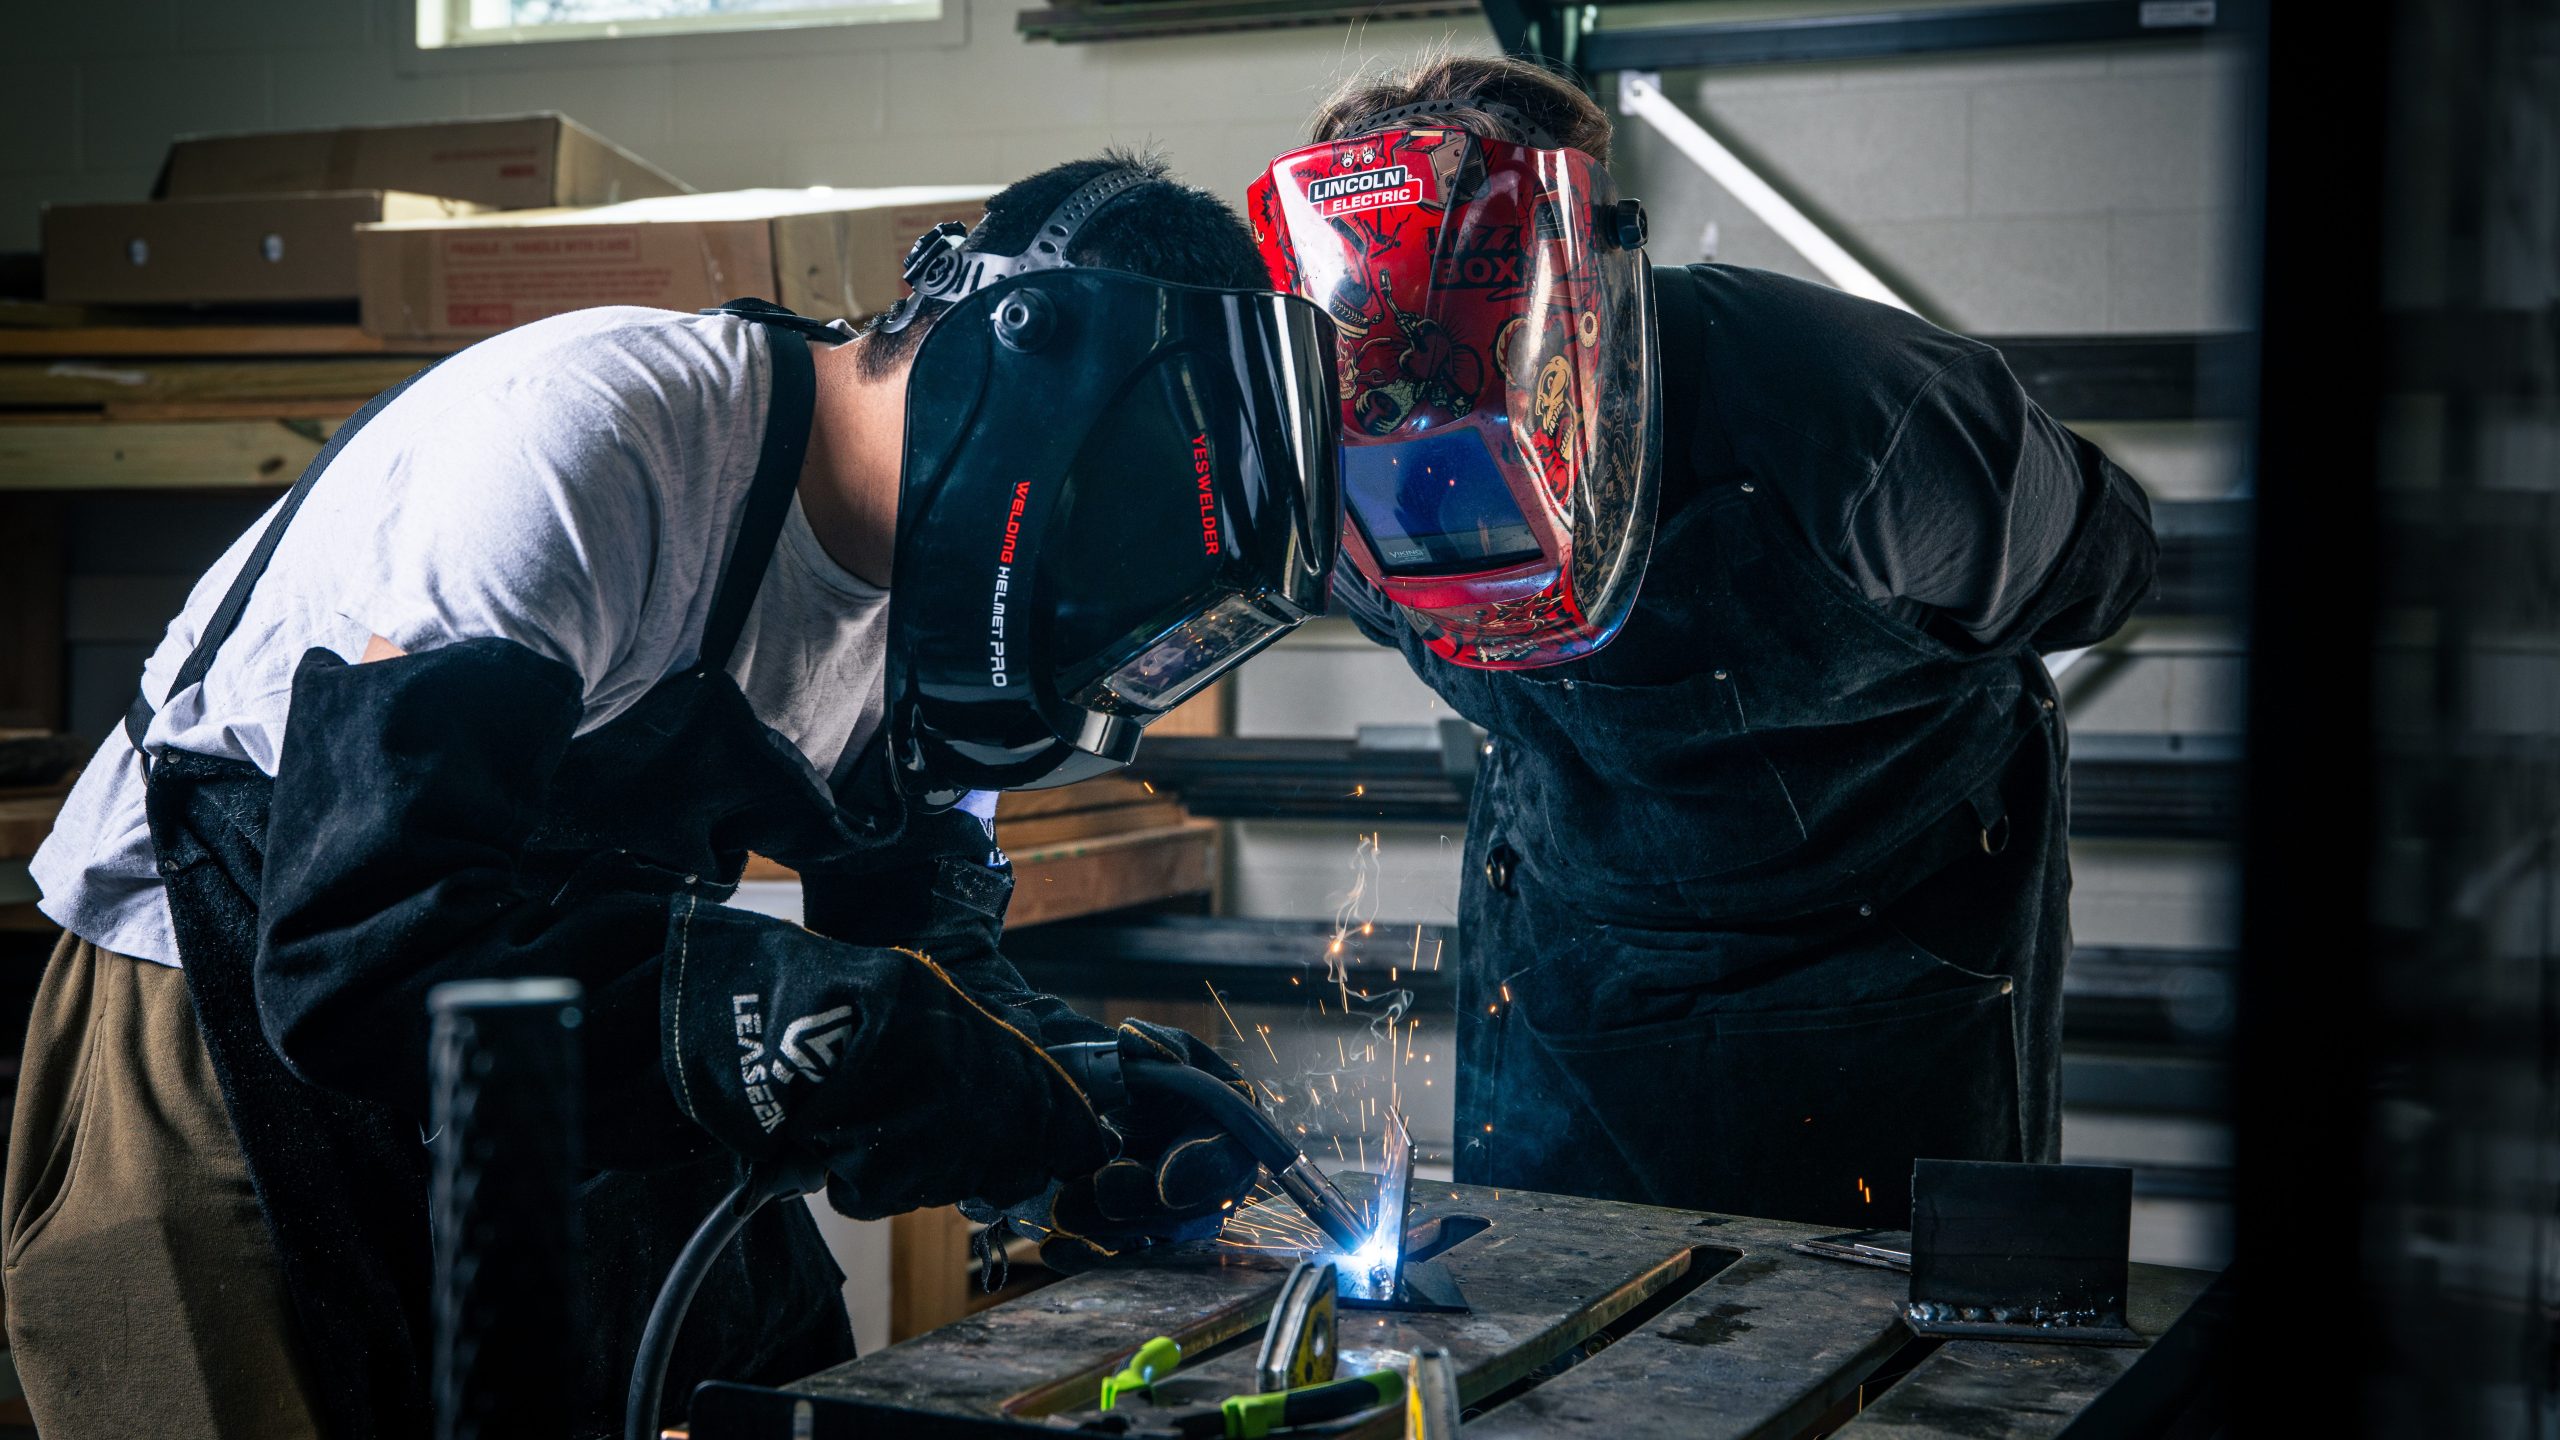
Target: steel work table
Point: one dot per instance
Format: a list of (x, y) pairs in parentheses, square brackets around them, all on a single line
[(1760, 1341)]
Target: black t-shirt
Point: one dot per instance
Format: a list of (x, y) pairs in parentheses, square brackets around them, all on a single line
[(1908, 454)]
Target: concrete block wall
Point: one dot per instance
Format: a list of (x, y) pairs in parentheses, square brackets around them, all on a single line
[(2050, 191)]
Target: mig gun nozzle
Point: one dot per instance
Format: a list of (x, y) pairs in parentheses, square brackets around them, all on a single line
[(1324, 1204), (1299, 1178)]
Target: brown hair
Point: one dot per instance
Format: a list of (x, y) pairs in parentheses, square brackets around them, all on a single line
[(1547, 99)]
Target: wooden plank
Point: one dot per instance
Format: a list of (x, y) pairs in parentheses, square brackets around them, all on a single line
[(1088, 876), (1083, 795), (88, 384), (32, 568), (1111, 873), (148, 340), (25, 919), (25, 823), (1202, 714), (333, 411), (1046, 832), (80, 454), (928, 1270)]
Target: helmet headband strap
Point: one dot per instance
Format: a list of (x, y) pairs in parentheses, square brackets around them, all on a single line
[(940, 268), (1524, 130)]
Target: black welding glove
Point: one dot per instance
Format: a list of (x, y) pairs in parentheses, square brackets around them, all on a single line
[(942, 889), (909, 1089), (1177, 1177)]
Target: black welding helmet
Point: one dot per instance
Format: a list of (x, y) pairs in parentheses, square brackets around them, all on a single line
[(1116, 489)]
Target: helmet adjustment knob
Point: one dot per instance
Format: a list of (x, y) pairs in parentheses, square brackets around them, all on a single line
[(1630, 227), (1025, 321)]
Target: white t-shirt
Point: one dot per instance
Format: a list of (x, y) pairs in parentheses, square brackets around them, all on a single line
[(574, 486)]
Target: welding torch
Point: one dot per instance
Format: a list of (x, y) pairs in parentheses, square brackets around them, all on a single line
[(1110, 1079)]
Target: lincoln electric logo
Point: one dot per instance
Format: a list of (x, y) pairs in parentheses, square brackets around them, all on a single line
[(1362, 190), (1208, 496), (996, 674)]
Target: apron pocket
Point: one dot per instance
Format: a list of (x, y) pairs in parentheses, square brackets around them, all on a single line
[(1805, 1112)]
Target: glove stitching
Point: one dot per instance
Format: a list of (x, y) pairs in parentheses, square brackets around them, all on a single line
[(1162, 1048), (684, 948), (1001, 1023), (1060, 1232)]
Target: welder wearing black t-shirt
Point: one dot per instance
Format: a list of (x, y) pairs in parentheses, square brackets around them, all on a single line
[(1766, 889)]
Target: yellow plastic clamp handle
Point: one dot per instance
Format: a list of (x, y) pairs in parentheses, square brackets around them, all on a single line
[(1155, 1360), (1250, 1417)]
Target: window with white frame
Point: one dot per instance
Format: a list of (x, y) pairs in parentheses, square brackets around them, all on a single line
[(443, 23)]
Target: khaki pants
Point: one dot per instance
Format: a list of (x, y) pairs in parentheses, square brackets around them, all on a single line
[(143, 1293)]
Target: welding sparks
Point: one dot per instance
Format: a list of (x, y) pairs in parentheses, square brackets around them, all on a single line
[(1231, 1019)]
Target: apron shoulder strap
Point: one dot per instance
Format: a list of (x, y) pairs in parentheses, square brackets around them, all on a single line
[(786, 447), (226, 616)]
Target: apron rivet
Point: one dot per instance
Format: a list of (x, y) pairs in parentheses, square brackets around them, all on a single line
[(1720, 675), (2006, 986), (1498, 865), (1747, 487), (1866, 909)]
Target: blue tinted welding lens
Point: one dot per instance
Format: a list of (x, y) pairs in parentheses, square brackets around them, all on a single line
[(1435, 504)]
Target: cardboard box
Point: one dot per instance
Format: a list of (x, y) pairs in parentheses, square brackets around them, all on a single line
[(829, 254), (241, 249), (519, 162)]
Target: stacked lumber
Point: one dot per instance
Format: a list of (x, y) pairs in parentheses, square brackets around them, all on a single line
[(1105, 844), (181, 407)]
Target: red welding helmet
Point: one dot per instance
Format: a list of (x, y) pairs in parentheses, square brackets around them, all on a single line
[(1499, 394)]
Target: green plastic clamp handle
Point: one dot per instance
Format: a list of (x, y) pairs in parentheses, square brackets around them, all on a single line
[(1155, 1360), (1250, 1417)]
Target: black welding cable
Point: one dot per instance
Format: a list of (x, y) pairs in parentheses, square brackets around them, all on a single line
[(675, 1297), (1206, 1092)]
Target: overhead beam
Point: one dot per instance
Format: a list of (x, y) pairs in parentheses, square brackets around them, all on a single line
[(1080, 21), (2134, 377), (2123, 786), (1882, 34)]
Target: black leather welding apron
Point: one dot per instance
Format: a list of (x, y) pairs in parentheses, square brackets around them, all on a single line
[(1765, 899), (666, 797)]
